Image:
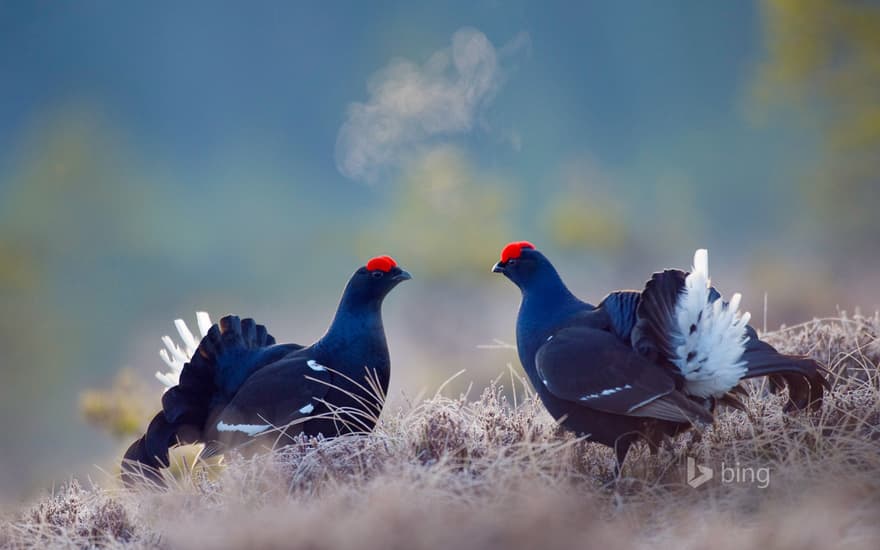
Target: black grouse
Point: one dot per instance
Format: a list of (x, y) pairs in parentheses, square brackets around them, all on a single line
[(241, 386), (646, 364)]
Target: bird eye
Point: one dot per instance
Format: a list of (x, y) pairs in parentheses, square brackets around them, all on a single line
[(377, 274), (511, 261)]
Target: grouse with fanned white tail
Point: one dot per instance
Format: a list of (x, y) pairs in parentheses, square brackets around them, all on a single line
[(237, 385), (643, 364)]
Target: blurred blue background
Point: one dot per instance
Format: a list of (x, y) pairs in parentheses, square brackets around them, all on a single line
[(243, 157)]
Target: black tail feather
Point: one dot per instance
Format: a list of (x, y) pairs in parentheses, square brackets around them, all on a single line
[(654, 334), (146, 456), (138, 468), (651, 336), (804, 377), (655, 324), (226, 356)]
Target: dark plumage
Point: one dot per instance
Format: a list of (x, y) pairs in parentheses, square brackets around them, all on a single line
[(642, 364), (240, 386)]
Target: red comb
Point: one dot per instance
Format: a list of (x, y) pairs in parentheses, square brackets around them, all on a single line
[(513, 250), (381, 263)]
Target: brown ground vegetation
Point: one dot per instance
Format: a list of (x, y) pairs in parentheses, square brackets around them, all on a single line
[(494, 473)]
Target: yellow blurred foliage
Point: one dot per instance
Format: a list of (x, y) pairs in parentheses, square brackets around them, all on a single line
[(824, 57), (576, 222), (454, 216), (122, 410), (17, 267)]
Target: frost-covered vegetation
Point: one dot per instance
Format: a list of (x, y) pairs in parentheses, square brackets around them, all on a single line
[(495, 472)]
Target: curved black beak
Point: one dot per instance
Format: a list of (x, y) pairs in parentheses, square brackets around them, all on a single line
[(402, 276), (498, 268)]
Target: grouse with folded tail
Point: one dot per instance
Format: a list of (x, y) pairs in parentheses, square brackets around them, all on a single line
[(240, 386), (643, 364)]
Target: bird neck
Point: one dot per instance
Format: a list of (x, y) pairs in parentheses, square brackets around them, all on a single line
[(547, 293), (356, 329), (546, 305)]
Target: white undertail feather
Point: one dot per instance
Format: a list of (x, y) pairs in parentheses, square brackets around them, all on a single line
[(176, 356), (712, 336)]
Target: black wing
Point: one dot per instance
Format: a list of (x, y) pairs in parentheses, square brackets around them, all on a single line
[(273, 397), (621, 306), (803, 376), (594, 369), (239, 348), (232, 350)]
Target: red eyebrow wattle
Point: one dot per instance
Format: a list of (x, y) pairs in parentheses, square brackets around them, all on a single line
[(381, 263), (514, 249)]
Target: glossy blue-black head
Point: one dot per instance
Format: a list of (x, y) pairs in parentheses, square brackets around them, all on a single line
[(522, 264), (375, 280)]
